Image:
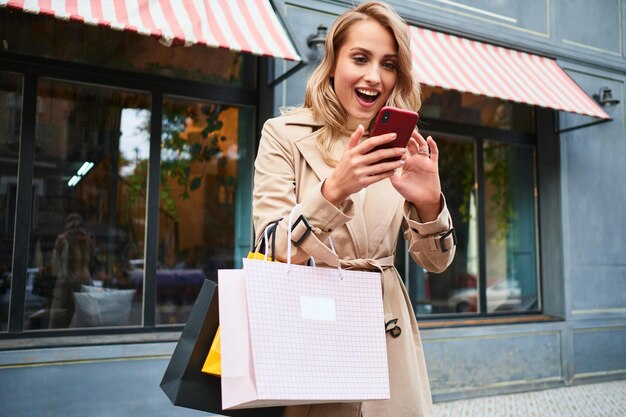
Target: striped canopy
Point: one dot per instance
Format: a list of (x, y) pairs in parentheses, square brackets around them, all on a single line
[(240, 25), (452, 62)]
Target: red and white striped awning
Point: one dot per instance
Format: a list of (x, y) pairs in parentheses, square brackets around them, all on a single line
[(456, 63), (240, 25)]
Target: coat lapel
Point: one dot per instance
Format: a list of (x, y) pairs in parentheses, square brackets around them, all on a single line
[(381, 200), (381, 205), (308, 149), (307, 146)]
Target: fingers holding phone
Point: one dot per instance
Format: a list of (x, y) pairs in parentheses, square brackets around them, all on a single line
[(393, 120), (359, 168), (380, 148), (379, 157), (373, 160)]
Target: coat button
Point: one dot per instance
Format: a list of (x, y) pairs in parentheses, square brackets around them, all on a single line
[(395, 330)]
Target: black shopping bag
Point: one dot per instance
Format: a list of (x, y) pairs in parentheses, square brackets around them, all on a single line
[(183, 382)]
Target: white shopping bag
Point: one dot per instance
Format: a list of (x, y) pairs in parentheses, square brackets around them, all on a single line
[(294, 334)]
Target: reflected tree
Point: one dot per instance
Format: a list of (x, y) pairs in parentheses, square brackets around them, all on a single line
[(497, 176), (178, 152)]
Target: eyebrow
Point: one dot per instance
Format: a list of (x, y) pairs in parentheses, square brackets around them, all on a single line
[(368, 52)]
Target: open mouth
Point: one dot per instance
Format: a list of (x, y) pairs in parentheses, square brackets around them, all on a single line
[(368, 96)]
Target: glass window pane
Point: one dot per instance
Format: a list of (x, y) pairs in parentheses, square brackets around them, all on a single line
[(510, 224), (200, 164), (10, 125), (439, 103), (87, 232), (455, 289)]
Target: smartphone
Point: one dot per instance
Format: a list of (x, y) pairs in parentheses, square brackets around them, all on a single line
[(393, 120)]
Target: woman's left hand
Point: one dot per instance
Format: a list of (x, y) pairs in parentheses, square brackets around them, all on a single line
[(418, 179)]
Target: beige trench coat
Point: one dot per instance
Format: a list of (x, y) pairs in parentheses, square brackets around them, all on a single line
[(290, 170)]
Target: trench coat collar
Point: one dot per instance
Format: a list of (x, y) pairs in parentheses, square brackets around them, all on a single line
[(307, 144), (381, 199)]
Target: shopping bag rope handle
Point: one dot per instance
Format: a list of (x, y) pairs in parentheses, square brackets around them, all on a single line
[(266, 239)]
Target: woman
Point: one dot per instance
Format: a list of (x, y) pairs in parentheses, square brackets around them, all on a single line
[(318, 156), (72, 261)]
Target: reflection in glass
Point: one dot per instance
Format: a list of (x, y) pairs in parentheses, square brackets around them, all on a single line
[(88, 213), (199, 178), (10, 126), (41, 36), (510, 227), (451, 105), (454, 290)]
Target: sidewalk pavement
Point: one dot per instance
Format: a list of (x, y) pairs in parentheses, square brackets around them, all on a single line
[(607, 399)]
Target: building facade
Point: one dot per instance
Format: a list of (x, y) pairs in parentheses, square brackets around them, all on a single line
[(125, 181)]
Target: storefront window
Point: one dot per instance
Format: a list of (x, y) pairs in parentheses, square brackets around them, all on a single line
[(510, 227), (496, 254), (88, 225), (104, 47), (454, 290), (200, 163), (10, 122)]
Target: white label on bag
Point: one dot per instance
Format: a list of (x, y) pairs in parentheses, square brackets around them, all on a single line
[(317, 308)]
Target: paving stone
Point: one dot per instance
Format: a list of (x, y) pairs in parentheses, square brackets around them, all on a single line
[(607, 399)]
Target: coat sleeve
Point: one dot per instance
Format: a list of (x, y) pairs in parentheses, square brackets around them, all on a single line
[(424, 238), (274, 198)]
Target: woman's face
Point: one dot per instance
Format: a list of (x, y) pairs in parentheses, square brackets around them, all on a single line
[(365, 72)]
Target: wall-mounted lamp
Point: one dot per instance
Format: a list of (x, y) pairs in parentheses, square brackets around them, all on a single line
[(605, 97), (319, 39)]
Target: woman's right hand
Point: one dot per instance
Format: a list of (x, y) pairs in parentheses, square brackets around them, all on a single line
[(359, 168)]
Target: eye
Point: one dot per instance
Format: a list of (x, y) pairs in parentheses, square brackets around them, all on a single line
[(391, 65), (359, 59)]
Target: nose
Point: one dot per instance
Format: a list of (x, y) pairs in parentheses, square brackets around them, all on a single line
[(372, 76)]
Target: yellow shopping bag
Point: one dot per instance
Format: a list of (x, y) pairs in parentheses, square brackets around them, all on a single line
[(259, 256), (213, 363)]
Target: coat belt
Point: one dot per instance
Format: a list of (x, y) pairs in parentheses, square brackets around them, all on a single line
[(379, 264)]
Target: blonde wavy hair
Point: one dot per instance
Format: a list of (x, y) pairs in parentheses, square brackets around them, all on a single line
[(320, 95)]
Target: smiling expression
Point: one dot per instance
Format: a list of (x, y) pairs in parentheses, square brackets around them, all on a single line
[(366, 70)]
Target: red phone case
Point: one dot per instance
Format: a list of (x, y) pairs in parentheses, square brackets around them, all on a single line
[(394, 120)]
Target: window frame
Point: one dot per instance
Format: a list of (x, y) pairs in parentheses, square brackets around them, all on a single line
[(478, 134), (32, 69)]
